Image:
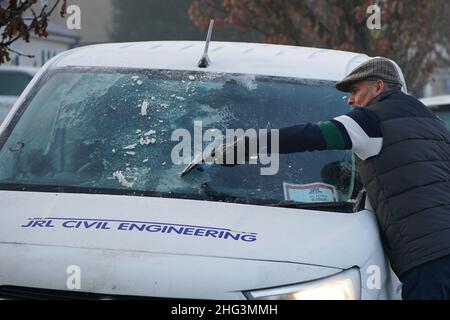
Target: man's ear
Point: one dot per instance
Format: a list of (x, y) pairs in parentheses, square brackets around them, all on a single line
[(380, 86)]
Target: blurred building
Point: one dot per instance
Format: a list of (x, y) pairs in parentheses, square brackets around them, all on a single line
[(43, 49), (438, 84), (96, 19)]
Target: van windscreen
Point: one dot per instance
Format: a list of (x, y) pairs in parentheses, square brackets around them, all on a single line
[(115, 131)]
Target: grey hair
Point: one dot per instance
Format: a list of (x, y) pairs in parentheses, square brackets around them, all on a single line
[(388, 85)]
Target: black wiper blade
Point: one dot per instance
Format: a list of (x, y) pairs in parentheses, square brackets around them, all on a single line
[(312, 205)]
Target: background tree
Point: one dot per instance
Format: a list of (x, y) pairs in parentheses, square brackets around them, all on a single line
[(138, 20), (414, 33), (19, 19)]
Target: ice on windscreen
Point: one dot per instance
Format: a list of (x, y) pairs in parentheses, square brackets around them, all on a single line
[(78, 91), (136, 80), (146, 141), (247, 81), (142, 144), (144, 107), (150, 132), (130, 147), (81, 87), (122, 180), (172, 181), (214, 115)]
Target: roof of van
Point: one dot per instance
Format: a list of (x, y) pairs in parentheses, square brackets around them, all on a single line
[(230, 57), (436, 101)]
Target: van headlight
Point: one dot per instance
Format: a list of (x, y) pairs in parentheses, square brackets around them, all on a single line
[(343, 286)]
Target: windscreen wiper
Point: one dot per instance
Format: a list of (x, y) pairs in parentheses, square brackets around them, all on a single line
[(313, 205)]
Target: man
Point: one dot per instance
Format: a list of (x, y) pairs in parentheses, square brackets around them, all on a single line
[(403, 159)]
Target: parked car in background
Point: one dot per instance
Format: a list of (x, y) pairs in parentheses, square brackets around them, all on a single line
[(13, 80), (440, 105), (94, 207)]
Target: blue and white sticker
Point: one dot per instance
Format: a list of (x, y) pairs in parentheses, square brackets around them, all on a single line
[(312, 192)]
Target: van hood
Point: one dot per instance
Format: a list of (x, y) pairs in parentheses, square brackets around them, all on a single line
[(70, 224), (192, 227)]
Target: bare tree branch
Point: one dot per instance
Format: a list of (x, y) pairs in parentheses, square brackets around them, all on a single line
[(21, 54), (13, 19)]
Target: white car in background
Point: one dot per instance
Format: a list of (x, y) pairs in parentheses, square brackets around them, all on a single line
[(93, 207), (13, 80), (440, 105)]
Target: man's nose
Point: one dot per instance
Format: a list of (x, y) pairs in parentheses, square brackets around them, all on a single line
[(351, 101)]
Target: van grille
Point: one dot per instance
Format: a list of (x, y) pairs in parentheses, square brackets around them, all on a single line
[(25, 293)]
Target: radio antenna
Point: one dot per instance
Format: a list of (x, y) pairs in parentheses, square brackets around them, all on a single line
[(204, 61)]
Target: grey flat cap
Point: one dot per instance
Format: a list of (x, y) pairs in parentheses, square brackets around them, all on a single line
[(373, 69)]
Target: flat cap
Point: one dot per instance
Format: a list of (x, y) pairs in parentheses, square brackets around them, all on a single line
[(374, 69)]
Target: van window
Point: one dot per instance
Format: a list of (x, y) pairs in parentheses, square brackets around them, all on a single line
[(13, 83), (443, 112), (109, 131)]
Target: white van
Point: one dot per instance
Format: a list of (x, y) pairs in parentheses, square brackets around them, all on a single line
[(440, 105), (93, 206)]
